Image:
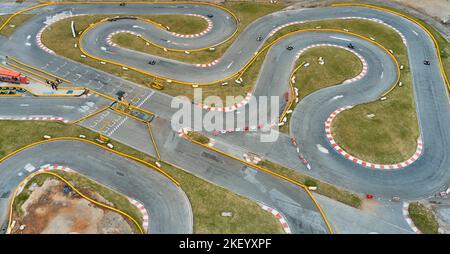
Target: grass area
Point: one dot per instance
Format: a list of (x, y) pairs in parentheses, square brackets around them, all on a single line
[(207, 200), (182, 24), (323, 188), (84, 185), (423, 218), (14, 23), (339, 66), (198, 137)]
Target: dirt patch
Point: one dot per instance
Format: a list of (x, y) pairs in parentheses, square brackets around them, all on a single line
[(52, 210), (370, 205)]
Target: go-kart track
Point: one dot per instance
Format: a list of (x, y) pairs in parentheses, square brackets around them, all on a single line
[(421, 177)]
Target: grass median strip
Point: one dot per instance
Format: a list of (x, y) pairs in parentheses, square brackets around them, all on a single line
[(181, 24), (208, 201), (423, 218), (323, 188)]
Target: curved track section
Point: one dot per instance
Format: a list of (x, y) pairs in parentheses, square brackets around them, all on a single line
[(165, 201), (427, 175)]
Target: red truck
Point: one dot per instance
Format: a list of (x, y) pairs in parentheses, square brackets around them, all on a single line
[(14, 77)]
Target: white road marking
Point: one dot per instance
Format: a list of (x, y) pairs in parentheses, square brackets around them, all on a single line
[(30, 168), (339, 38), (382, 73), (146, 98), (228, 67), (415, 33), (24, 105), (337, 97), (28, 37), (322, 149), (68, 107), (28, 44)]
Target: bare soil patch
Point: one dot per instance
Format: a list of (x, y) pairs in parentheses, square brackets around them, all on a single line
[(51, 210)]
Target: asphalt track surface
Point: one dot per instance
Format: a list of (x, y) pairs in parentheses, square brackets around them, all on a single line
[(167, 205), (423, 178)]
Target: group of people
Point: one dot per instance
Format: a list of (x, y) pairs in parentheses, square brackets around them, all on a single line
[(54, 84)]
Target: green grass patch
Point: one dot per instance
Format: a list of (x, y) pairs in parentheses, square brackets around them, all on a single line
[(423, 218), (182, 24), (339, 66), (14, 23), (323, 188), (198, 137), (207, 200)]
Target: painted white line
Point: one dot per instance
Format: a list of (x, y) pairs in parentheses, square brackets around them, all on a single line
[(228, 67), (338, 97), (322, 149), (339, 38)]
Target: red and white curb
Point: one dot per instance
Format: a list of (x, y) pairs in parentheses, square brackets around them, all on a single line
[(204, 32), (48, 24), (363, 61), (383, 23), (330, 138), (275, 30), (408, 219), (46, 167), (49, 167), (230, 108), (34, 118), (109, 37), (279, 217), (143, 211), (207, 64)]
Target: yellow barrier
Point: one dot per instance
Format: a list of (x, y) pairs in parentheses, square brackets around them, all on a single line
[(73, 188), (37, 69), (127, 114), (271, 173), (20, 12), (436, 44), (153, 141)]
